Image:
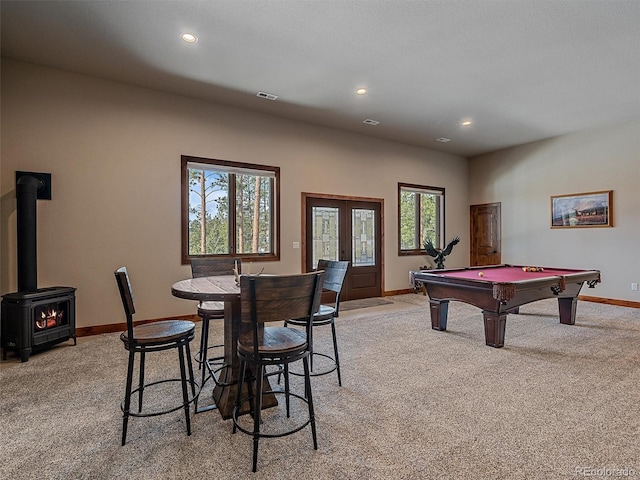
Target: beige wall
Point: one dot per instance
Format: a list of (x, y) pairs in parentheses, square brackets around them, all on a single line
[(523, 179), (114, 153)]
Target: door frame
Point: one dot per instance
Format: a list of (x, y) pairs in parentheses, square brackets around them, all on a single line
[(303, 231)]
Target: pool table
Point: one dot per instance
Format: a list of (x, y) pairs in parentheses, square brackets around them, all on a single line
[(501, 289)]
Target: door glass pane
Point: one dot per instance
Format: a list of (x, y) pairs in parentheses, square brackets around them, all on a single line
[(363, 229), (325, 231)]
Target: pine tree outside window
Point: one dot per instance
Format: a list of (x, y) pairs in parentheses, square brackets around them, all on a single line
[(420, 217), (229, 209)]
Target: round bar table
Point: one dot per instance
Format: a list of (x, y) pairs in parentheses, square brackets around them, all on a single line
[(223, 288)]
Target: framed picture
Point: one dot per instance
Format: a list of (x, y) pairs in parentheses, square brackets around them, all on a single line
[(592, 209)]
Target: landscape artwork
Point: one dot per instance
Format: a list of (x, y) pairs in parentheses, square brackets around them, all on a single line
[(591, 209)]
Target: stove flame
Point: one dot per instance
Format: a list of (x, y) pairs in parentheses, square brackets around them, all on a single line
[(49, 319)]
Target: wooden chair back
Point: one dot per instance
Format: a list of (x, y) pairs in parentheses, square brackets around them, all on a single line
[(126, 294), (276, 298), (334, 274), (209, 267)]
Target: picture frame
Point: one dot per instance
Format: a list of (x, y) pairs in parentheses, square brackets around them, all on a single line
[(582, 210)]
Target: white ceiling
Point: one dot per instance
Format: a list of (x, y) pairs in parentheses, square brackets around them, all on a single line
[(521, 70)]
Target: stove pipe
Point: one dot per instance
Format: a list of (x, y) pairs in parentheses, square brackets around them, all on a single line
[(26, 194)]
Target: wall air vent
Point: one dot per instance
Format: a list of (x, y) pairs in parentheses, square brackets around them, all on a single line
[(268, 96), (368, 121)]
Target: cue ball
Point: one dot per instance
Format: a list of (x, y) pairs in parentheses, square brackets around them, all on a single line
[(480, 274)]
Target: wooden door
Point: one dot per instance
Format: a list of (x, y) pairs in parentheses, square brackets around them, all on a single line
[(485, 234), (341, 228)]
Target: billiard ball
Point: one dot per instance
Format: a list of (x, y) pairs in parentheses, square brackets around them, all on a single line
[(480, 274)]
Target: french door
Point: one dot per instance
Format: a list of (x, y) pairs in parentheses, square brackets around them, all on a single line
[(340, 228)]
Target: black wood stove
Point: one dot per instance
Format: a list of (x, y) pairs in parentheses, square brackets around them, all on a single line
[(37, 319), (34, 318)]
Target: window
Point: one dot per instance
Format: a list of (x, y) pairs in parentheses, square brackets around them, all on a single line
[(229, 209), (420, 217)]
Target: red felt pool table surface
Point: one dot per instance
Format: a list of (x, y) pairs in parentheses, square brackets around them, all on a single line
[(507, 273), (501, 289)]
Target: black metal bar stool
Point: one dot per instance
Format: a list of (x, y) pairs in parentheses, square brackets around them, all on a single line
[(154, 337), (270, 299), (334, 273)]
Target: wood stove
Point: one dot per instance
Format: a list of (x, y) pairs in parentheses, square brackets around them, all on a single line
[(34, 318), (37, 319)]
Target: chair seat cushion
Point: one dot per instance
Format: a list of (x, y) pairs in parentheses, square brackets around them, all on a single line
[(160, 332), (323, 316), (276, 340), (211, 309), (324, 312)]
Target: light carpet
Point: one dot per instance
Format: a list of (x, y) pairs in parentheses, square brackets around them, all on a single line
[(416, 404)]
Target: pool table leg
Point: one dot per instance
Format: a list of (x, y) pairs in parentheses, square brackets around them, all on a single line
[(494, 325), (567, 310), (439, 310)]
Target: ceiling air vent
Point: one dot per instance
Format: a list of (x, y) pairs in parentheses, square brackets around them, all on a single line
[(368, 121), (268, 96)]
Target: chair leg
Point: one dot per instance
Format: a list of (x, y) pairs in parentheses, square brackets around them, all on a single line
[(286, 387), (185, 394), (256, 415), (281, 366), (191, 377), (127, 398), (249, 380), (335, 351), (202, 354), (204, 343), (307, 387), (243, 366), (141, 381)]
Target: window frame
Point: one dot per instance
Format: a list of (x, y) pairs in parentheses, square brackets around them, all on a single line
[(440, 214), (251, 169)]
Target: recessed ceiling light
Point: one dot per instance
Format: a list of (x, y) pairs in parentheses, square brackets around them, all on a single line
[(443, 139), (189, 37), (368, 121), (466, 123), (361, 91)]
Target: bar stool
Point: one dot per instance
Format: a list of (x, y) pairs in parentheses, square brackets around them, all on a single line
[(334, 274), (154, 337), (270, 299)]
